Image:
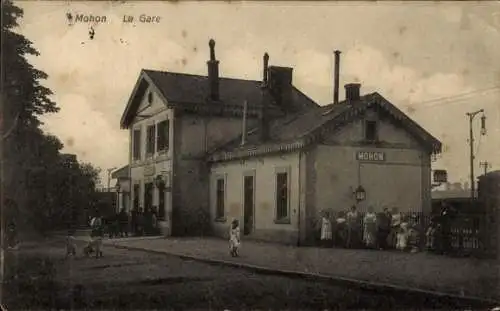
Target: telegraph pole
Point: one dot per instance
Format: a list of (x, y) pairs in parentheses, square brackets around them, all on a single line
[(485, 165), (471, 116)]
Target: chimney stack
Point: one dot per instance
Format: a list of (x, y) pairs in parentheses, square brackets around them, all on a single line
[(280, 85), (244, 125), (336, 77), (213, 72), (352, 92), (264, 126), (265, 72)]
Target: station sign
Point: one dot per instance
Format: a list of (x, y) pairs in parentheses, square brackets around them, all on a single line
[(372, 156)]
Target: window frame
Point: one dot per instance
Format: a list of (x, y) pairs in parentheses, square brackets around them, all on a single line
[(136, 144), (150, 140), (163, 138), (375, 130), (279, 219), (218, 216)]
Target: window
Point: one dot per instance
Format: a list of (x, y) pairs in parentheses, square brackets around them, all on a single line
[(370, 130), (220, 198), (282, 196), (137, 144), (162, 135), (150, 97), (150, 142)]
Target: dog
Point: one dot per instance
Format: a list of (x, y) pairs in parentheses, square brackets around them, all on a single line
[(71, 247), (90, 249)]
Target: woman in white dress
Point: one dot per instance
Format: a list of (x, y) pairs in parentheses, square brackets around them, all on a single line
[(234, 238), (370, 228), (402, 235), (326, 229), (395, 226)]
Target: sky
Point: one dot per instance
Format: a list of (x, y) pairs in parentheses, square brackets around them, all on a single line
[(434, 60)]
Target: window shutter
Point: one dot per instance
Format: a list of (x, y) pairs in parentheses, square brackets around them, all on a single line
[(137, 144), (166, 133)]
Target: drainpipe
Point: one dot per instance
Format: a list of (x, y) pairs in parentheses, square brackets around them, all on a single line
[(300, 201), (244, 124)]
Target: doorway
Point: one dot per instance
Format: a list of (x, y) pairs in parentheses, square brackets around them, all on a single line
[(248, 204), (148, 196)]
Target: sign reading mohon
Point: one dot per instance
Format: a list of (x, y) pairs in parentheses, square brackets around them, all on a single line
[(375, 156)]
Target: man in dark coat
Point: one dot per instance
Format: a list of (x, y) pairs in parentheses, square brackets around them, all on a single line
[(384, 228), (123, 221), (134, 221)]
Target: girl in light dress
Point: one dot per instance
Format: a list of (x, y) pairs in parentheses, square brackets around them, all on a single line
[(431, 236), (395, 227), (402, 235), (326, 229), (234, 238), (370, 228)]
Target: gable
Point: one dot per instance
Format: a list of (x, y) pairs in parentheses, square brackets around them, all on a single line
[(139, 99), (150, 104), (389, 134), (397, 129), (190, 92)]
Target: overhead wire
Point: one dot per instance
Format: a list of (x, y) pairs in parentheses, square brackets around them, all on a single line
[(450, 99)]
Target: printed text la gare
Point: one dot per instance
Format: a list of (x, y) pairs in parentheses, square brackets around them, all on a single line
[(143, 18)]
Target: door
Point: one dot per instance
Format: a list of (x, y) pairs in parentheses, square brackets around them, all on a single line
[(248, 204), (148, 196), (161, 203)]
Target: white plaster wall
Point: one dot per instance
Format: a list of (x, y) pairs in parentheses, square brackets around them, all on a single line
[(265, 196), (402, 180), (396, 182), (145, 169)]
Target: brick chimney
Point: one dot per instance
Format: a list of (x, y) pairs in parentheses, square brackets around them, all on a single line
[(352, 92), (213, 72), (280, 84), (264, 122), (336, 78)]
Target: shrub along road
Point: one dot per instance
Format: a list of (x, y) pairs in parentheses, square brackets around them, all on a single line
[(38, 277)]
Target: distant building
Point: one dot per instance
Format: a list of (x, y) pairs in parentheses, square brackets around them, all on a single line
[(122, 188), (293, 159), (68, 159)]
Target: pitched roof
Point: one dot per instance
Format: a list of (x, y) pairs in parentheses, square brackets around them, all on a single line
[(186, 90), (122, 172), (301, 129)]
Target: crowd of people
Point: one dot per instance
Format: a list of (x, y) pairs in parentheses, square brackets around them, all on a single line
[(137, 222), (385, 230)]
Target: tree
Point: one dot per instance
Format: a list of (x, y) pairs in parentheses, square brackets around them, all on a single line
[(45, 192)]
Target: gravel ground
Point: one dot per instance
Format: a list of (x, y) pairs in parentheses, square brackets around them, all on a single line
[(38, 277)]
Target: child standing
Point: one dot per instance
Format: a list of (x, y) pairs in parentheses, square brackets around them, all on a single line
[(431, 236), (97, 235), (234, 238), (402, 235), (326, 229)]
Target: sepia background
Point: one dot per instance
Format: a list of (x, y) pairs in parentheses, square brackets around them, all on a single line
[(435, 61)]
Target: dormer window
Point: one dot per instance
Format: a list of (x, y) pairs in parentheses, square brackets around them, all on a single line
[(150, 97), (370, 130)]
